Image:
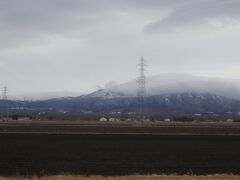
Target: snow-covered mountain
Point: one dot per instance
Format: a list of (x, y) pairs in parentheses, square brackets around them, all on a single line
[(173, 104), (168, 94), (156, 85), (106, 94), (174, 83)]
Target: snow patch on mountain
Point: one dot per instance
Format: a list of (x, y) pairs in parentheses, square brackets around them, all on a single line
[(174, 83), (105, 94)]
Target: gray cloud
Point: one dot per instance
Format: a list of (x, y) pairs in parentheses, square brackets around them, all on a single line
[(31, 20), (198, 13), (77, 45)]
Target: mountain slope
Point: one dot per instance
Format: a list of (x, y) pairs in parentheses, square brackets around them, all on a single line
[(172, 94), (166, 104), (181, 83)]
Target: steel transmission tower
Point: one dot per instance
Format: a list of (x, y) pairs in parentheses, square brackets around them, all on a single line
[(5, 105), (5, 91), (142, 88)]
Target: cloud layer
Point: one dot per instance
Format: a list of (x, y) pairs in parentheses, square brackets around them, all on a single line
[(79, 45), (193, 13)]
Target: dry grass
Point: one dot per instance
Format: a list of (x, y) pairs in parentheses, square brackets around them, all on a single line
[(150, 177)]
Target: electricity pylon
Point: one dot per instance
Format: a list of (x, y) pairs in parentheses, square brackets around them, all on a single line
[(5, 91), (141, 94), (5, 98)]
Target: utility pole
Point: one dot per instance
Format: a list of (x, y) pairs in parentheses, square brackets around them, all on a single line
[(141, 94)]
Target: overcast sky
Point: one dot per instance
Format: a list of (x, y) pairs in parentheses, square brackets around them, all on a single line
[(80, 45)]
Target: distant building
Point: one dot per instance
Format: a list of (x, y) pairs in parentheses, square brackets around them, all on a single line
[(146, 120), (167, 120), (103, 119), (229, 120), (21, 118), (24, 118), (112, 119)]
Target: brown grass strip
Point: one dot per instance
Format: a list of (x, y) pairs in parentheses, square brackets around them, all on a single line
[(136, 177)]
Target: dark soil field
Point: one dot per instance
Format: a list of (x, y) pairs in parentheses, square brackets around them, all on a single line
[(124, 152), (160, 128)]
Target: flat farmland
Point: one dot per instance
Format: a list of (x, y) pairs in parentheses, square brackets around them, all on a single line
[(79, 127), (48, 148)]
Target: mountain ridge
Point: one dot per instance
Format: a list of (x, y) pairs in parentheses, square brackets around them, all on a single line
[(171, 104), (181, 83), (167, 94)]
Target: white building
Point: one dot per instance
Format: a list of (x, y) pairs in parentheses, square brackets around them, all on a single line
[(167, 120), (103, 119), (229, 120), (112, 119)]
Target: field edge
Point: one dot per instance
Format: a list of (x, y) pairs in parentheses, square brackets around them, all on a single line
[(130, 177)]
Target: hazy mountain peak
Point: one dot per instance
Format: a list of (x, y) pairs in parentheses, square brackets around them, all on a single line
[(180, 83), (106, 94)]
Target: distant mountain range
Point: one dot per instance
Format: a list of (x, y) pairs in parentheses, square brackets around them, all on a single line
[(167, 95), (44, 96)]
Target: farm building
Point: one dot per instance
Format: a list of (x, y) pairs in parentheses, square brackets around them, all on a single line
[(103, 119)]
